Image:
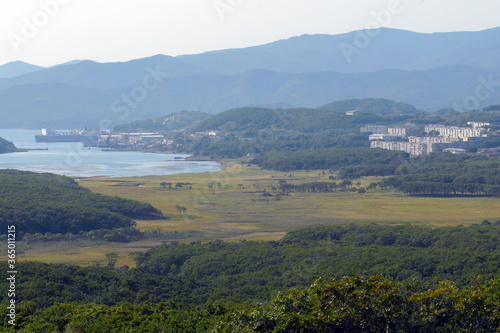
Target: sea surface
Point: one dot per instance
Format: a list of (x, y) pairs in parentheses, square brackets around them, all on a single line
[(74, 160)]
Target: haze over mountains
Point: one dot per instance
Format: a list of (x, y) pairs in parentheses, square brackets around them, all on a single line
[(430, 71), (17, 68)]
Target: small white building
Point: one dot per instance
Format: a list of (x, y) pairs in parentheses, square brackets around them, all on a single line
[(454, 150)]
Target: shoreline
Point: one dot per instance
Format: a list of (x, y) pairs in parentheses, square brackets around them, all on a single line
[(78, 162)]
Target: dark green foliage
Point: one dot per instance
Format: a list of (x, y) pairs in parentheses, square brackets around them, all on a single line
[(42, 203), (372, 105), (196, 273), (228, 147), (239, 120), (352, 162), (449, 175), (492, 108), (122, 235), (461, 118), (491, 143), (301, 119), (377, 304), (350, 304), (176, 121)]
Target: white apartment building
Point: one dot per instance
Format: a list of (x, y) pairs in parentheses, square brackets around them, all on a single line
[(476, 124), (414, 149), (456, 132)]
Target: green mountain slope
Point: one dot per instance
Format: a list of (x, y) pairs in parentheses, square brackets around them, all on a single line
[(373, 105), (42, 203)]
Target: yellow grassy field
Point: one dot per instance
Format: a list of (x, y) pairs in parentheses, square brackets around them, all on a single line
[(229, 205), (238, 202)]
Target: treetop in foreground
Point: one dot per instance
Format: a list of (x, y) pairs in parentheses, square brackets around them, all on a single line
[(351, 304)]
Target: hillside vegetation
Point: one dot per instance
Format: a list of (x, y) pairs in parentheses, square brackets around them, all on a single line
[(173, 122), (352, 162), (328, 117), (373, 105), (260, 130), (199, 286), (448, 175), (196, 273), (6, 146), (352, 304), (46, 203)]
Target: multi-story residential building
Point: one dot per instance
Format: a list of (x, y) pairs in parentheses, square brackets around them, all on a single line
[(476, 124), (377, 129), (456, 132), (451, 138), (419, 145), (386, 137), (398, 130), (411, 148)]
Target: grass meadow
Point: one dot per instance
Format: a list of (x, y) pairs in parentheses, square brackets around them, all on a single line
[(229, 205)]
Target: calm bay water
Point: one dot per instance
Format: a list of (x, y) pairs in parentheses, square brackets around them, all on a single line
[(75, 160)]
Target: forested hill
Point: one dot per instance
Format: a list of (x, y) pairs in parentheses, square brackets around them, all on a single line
[(196, 273), (7, 146), (373, 105), (173, 122), (228, 286), (43, 203), (329, 116)]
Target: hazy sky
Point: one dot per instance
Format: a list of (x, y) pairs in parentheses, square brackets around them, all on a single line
[(48, 32)]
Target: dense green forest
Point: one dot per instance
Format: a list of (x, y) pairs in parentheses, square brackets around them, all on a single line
[(372, 105), (432, 175), (47, 203), (307, 120), (351, 304), (448, 175), (352, 162), (176, 121), (300, 120), (259, 286), (7, 146), (198, 273)]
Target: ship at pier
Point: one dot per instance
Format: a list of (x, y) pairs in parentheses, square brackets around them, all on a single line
[(89, 138)]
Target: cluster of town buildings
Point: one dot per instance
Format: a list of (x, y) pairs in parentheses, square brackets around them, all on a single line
[(438, 138), (135, 139), (432, 138)]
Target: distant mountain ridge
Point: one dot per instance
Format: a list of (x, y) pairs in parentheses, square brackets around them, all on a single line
[(104, 76), (389, 49), (429, 71), (56, 104), (17, 68)]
